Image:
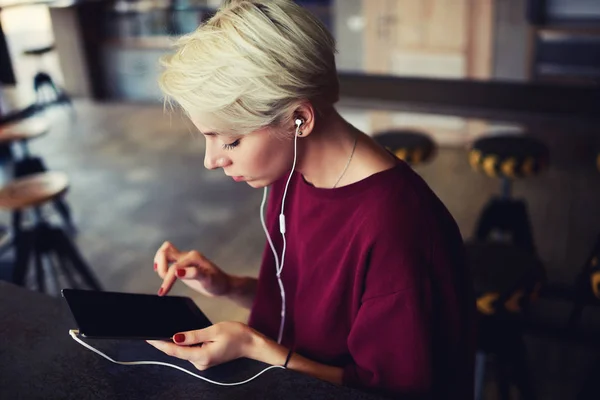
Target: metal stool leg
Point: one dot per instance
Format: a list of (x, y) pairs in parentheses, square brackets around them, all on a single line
[(22, 249), (37, 247), (23, 252), (480, 364), (68, 250), (64, 264), (503, 376), (522, 377), (63, 209)]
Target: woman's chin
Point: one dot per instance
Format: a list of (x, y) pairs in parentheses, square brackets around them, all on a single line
[(258, 183)]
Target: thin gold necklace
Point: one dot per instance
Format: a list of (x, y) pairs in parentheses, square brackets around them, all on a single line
[(348, 163)]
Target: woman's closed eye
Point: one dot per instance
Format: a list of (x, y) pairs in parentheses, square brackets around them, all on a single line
[(232, 145)]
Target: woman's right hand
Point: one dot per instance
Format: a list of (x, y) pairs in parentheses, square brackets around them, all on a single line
[(193, 269)]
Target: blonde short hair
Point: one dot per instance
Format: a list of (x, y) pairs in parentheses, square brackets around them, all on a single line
[(251, 65)]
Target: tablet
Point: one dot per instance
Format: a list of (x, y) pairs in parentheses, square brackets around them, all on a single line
[(112, 315)]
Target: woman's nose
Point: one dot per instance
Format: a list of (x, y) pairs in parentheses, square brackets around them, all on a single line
[(215, 160)]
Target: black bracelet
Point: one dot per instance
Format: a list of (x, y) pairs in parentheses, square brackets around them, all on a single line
[(287, 360)]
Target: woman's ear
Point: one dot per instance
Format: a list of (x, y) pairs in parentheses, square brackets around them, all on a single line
[(305, 117)]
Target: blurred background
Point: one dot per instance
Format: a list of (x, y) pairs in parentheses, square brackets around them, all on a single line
[(495, 103)]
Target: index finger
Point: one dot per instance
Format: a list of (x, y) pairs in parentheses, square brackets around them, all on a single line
[(169, 277), (167, 252), (168, 281)]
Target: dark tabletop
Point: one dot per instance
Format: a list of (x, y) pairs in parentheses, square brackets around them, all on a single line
[(38, 359)]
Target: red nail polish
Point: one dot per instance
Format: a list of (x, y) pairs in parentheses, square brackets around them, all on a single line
[(160, 291), (155, 266), (179, 338), (181, 273)]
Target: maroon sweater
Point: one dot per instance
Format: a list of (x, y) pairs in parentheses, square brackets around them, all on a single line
[(375, 283)]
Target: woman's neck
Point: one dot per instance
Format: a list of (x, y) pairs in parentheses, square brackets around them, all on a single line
[(324, 154)]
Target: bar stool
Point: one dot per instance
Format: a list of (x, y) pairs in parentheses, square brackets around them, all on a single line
[(46, 90), (17, 166), (41, 240), (413, 146), (508, 157), (506, 271)]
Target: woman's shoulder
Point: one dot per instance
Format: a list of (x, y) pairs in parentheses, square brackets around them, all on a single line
[(401, 190), (403, 203)]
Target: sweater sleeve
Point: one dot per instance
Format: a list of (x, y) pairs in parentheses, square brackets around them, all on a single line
[(391, 336), (390, 345)]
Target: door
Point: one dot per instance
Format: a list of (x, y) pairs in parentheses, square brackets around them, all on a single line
[(449, 39)]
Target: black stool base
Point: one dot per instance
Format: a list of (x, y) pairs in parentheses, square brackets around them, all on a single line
[(50, 244), (501, 335), (508, 216)]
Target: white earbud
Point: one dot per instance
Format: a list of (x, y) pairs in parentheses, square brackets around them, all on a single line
[(298, 123)]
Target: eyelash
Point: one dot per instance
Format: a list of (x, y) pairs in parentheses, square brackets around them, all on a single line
[(231, 146)]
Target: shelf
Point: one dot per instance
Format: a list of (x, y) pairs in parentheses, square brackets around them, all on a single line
[(572, 28), (147, 42)]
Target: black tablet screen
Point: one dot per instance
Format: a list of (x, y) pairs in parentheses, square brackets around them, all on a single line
[(132, 316)]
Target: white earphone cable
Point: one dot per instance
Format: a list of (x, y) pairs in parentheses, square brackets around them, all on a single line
[(282, 229), (73, 334), (282, 291), (262, 220)]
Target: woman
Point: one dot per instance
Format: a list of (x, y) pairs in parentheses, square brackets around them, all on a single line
[(376, 292)]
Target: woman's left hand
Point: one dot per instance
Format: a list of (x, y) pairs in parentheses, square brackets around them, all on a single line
[(219, 343)]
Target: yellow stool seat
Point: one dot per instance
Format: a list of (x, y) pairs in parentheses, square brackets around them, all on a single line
[(510, 156), (412, 146)]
